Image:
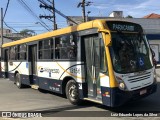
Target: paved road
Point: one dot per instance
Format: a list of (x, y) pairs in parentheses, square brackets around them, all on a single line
[(27, 99)]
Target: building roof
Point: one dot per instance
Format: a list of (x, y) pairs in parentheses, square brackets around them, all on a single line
[(152, 15)]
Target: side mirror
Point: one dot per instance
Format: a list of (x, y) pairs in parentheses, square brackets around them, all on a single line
[(106, 36), (153, 53), (153, 58)]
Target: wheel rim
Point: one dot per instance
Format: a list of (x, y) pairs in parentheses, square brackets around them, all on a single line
[(73, 92)]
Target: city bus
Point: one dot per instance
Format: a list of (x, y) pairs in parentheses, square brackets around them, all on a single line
[(103, 61)]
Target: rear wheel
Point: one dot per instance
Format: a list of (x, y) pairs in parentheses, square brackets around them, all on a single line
[(72, 92), (18, 81)]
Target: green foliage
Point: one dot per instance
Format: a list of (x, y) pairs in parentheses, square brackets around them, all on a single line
[(27, 32), (129, 16)]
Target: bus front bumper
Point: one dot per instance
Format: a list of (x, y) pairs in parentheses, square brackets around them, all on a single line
[(119, 97)]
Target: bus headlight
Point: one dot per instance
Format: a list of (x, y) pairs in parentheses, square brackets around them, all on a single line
[(122, 86)]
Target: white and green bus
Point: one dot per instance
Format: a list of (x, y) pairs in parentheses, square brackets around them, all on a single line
[(104, 61)]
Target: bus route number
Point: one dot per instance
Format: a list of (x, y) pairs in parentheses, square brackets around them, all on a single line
[(75, 70)]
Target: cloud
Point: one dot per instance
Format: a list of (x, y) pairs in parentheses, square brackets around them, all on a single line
[(134, 8)]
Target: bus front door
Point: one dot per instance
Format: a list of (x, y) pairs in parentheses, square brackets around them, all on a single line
[(33, 64), (92, 53)]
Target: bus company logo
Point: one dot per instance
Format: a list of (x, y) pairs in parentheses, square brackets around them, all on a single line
[(48, 70)]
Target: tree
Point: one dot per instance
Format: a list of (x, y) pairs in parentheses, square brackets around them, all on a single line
[(27, 32), (129, 16)]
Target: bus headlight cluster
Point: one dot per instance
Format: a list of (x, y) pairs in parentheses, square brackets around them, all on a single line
[(122, 85)]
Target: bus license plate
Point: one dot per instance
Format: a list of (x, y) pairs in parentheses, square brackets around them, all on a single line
[(143, 92)]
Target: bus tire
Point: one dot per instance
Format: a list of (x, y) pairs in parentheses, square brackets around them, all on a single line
[(18, 81), (72, 92)]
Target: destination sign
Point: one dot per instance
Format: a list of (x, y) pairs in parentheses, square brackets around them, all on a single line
[(124, 26)]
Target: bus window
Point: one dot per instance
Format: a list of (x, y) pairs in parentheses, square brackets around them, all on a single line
[(57, 48), (129, 52), (21, 52), (12, 52), (103, 63), (65, 47), (46, 49)]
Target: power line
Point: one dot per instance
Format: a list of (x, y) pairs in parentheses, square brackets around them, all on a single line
[(49, 17), (6, 9), (33, 14), (83, 4), (5, 15), (50, 8), (10, 27)]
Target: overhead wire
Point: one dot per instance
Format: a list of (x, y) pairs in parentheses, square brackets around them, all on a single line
[(5, 15), (10, 27), (6, 9), (33, 14)]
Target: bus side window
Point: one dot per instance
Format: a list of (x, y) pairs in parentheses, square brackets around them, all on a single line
[(65, 47), (22, 52), (12, 53), (45, 49), (40, 50), (57, 48)]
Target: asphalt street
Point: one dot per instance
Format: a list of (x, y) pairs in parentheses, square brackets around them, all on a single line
[(55, 105)]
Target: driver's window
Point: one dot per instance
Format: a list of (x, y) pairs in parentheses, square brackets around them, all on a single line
[(103, 63)]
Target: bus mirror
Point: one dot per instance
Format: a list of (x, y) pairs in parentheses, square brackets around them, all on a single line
[(107, 39), (106, 36), (104, 31)]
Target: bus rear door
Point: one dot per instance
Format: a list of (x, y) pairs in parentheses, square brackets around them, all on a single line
[(33, 64)]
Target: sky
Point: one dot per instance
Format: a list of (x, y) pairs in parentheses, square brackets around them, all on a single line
[(19, 18)]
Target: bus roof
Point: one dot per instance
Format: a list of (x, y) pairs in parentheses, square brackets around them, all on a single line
[(99, 23), (83, 26)]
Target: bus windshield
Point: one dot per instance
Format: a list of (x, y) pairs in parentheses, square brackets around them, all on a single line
[(130, 52)]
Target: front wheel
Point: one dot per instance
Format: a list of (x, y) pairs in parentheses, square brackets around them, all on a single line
[(72, 92)]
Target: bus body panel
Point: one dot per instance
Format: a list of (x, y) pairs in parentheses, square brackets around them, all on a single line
[(52, 74)]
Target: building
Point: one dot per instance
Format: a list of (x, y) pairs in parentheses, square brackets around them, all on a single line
[(13, 36), (152, 15)]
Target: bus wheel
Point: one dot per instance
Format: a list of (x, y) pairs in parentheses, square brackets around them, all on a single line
[(18, 81), (72, 92)]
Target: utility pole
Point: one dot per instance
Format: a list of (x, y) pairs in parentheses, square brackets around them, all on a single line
[(52, 8), (88, 15), (54, 17), (83, 4), (1, 27), (83, 11)]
